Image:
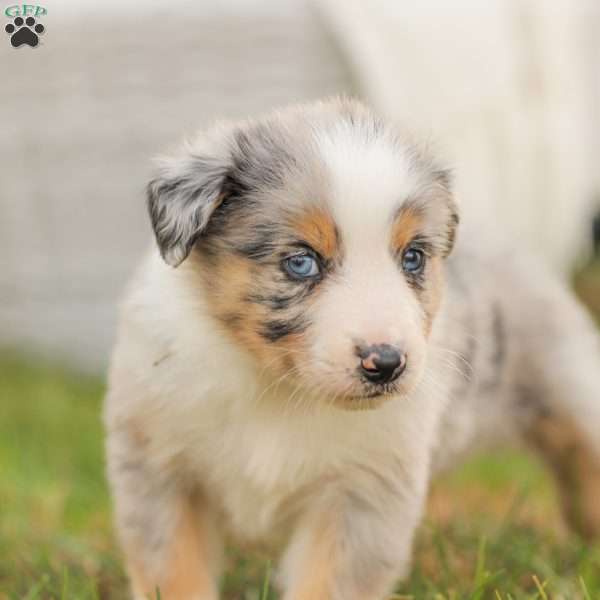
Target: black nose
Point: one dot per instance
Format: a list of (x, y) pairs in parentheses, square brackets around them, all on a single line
[(381, 363)]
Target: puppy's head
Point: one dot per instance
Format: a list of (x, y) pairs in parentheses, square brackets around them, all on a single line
[(320, 235)]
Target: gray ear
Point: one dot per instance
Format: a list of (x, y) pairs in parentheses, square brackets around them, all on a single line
[(181, 199)]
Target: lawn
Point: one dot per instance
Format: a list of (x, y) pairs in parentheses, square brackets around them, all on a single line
[(493, 529)]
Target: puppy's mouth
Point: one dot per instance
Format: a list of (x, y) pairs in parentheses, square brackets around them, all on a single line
[(366, 394), (370, 396), (377, 391)]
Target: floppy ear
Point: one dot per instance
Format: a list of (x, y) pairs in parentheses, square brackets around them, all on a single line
[(181, 200)]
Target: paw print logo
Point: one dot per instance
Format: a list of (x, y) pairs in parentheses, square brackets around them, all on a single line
[(24, 32)]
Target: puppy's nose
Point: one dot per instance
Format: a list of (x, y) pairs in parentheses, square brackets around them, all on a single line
[(381, 363)]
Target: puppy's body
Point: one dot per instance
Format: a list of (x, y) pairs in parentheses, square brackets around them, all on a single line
[(225, 413)]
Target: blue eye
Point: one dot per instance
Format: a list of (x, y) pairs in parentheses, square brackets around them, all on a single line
[(301, 266), (413, 260)]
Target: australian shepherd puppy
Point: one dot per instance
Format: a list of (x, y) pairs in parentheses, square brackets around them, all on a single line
[(303, 352)]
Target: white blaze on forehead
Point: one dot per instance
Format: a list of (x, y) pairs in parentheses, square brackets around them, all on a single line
[(369, 178)]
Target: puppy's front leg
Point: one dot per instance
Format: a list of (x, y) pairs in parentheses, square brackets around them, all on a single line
[(166, 532), (182, 570), (354, 548)]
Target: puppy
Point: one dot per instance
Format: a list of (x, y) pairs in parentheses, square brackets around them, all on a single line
[(304, 352)]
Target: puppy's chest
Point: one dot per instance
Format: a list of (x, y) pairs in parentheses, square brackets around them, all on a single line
[(263, 472)]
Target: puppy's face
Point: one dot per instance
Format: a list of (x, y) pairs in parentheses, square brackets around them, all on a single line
[(320, 236)]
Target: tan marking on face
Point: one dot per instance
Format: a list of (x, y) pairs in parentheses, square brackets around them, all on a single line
[(317, 228), (185, 573), (229, 281), (576, 468), (408, 223)]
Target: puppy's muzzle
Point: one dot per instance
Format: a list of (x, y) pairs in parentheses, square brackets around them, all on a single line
[(381, 363)]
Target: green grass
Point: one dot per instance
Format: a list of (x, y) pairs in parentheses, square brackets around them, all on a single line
[(55, 537), (492, 526), (493, 529)]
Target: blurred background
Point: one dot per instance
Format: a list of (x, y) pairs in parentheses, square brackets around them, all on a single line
[(507, 90)]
